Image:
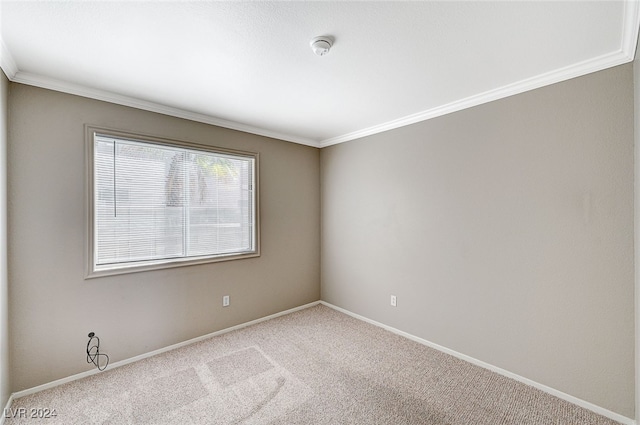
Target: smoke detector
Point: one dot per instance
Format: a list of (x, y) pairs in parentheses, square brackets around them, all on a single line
[(321, 45)]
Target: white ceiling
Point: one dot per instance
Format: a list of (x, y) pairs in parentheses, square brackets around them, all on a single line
[(248, 65)]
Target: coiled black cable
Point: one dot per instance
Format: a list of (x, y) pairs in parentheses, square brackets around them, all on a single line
[(93, 352)]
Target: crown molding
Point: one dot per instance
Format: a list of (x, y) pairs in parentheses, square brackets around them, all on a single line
[(7, 63), (562, 74), (103, 95), (631, 26), (10, 68)]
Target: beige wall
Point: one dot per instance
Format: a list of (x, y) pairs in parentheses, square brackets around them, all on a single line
[(5, 387), (505, 231), (53, 307)]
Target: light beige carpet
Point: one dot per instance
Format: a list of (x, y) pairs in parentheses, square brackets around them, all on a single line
[(315, 366)]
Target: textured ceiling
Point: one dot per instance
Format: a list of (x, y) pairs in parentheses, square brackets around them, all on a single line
[(248, 65)]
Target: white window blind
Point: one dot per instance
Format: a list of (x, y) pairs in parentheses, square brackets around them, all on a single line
[(156, 203)]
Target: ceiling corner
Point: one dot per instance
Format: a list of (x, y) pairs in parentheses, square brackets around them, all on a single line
[(631, 28), (629, 41), (7, 63), (111, 97)]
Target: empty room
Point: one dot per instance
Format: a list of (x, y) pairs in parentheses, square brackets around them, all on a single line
[(319, 212)]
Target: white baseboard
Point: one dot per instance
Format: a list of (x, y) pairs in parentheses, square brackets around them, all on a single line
[(120, 363), (6, 408), (564, 396)]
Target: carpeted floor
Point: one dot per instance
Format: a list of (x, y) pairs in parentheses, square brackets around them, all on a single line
[(315, 366)]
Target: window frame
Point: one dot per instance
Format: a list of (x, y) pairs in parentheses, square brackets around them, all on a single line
[(92, 270)]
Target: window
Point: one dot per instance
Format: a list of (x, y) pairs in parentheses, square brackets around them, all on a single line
[(157, 203)]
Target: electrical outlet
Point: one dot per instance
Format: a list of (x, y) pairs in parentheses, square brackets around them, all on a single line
[(225, 301), (394, 301)]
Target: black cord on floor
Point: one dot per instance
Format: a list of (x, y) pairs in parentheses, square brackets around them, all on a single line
[(93, 352)]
